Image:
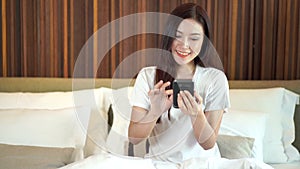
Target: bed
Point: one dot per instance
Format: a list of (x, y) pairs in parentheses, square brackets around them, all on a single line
[(262, 128)]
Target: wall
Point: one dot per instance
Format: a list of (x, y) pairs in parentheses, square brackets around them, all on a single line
[(43, 38)]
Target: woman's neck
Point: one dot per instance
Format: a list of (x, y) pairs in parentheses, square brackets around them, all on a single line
[(186, 71)]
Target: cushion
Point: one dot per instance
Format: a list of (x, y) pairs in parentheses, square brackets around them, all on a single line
[(280, 131), (117, 139), (97, 127), (288, 124), (42, 127), (20, 157), (95, 99), (234, 147), (246, 124), (48, 100)]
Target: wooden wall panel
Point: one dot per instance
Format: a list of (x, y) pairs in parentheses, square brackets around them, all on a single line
[(43, 38)]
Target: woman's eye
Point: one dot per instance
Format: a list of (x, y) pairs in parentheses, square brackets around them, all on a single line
[(195, 38), (177, 36)]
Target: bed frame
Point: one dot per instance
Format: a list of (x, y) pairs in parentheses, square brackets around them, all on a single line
[(65, 84)]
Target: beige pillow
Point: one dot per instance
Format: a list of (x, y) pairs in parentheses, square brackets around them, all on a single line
[(234, 147), (20, 157)]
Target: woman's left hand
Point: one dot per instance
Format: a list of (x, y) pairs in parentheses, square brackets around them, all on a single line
[(188, 104)]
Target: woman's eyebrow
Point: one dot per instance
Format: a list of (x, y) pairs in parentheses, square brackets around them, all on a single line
[(196, 34), (178, 31)]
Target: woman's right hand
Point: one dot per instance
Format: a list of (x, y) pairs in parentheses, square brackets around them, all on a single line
[(160, 98)]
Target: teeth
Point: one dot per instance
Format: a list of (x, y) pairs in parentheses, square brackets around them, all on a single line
[(183, 53)]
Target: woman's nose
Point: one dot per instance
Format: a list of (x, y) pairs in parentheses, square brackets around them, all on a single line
[(185, 43)]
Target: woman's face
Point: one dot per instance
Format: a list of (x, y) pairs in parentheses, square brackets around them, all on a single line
[(188, 41)]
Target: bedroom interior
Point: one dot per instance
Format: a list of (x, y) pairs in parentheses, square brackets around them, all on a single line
[(258, 43)]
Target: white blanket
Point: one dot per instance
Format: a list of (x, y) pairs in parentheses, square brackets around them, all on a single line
[(109, 161)]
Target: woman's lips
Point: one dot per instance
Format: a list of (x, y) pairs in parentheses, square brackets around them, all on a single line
[(182, 54)]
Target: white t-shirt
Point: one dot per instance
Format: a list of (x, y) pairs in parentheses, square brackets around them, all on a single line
[(173, 139)]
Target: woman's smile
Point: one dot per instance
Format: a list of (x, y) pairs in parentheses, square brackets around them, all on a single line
[(183, 54)]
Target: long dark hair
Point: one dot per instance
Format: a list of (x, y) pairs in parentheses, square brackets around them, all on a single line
[(168, 71), (184, 11)]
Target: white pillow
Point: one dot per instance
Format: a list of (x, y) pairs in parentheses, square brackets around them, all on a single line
[(47, 100), (246, 124), (290, 99), (53, 100), (96, 99), (117, 139), (280, 133), (97, 128), (49, 128)]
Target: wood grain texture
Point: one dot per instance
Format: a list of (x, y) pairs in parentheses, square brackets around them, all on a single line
[(256, 40), (4, 38)]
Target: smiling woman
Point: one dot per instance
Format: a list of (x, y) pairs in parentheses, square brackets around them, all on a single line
[(188, 41), (191, 130)]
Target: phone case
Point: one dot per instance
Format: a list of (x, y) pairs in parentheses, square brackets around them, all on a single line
[(180, 85)]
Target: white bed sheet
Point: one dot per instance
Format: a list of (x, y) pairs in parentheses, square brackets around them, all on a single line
[(108, 161), (292, 165)]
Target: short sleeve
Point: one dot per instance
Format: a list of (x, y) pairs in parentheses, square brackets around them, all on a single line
[(143, 84), (218, 94)]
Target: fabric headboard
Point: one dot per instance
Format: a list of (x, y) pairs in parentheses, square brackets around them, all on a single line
[(18, 84)]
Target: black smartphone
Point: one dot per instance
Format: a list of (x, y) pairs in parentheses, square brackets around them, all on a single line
[(180, 85)]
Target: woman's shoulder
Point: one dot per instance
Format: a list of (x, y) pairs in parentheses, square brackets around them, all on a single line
[(210, 71), (150, 70)]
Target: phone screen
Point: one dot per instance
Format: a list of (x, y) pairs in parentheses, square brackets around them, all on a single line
[(180, 85)]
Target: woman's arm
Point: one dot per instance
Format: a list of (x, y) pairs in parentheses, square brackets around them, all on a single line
[(206, 125), (143, 121), (141, 124)]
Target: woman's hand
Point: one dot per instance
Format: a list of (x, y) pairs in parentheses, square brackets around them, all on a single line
[(160, 98), (188, 104)]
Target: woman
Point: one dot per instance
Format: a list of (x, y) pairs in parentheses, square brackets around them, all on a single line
[(190, 131)]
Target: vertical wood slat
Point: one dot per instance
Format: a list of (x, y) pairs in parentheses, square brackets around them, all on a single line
[(43, 38), (56, 38), (233, 37), (293, 40), (141, 43), (24, 38), (34, 60), (65, 39), (102, 68), (227, 39), (95, 28), (242, 40), (4, 39), (215, 21), (250, 47), (11, 68), (72, 53), (287, 41), (120, 30), (86, 34), (267, 39), (297, 35), (280, 40), (51, 39), (113, 31)]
